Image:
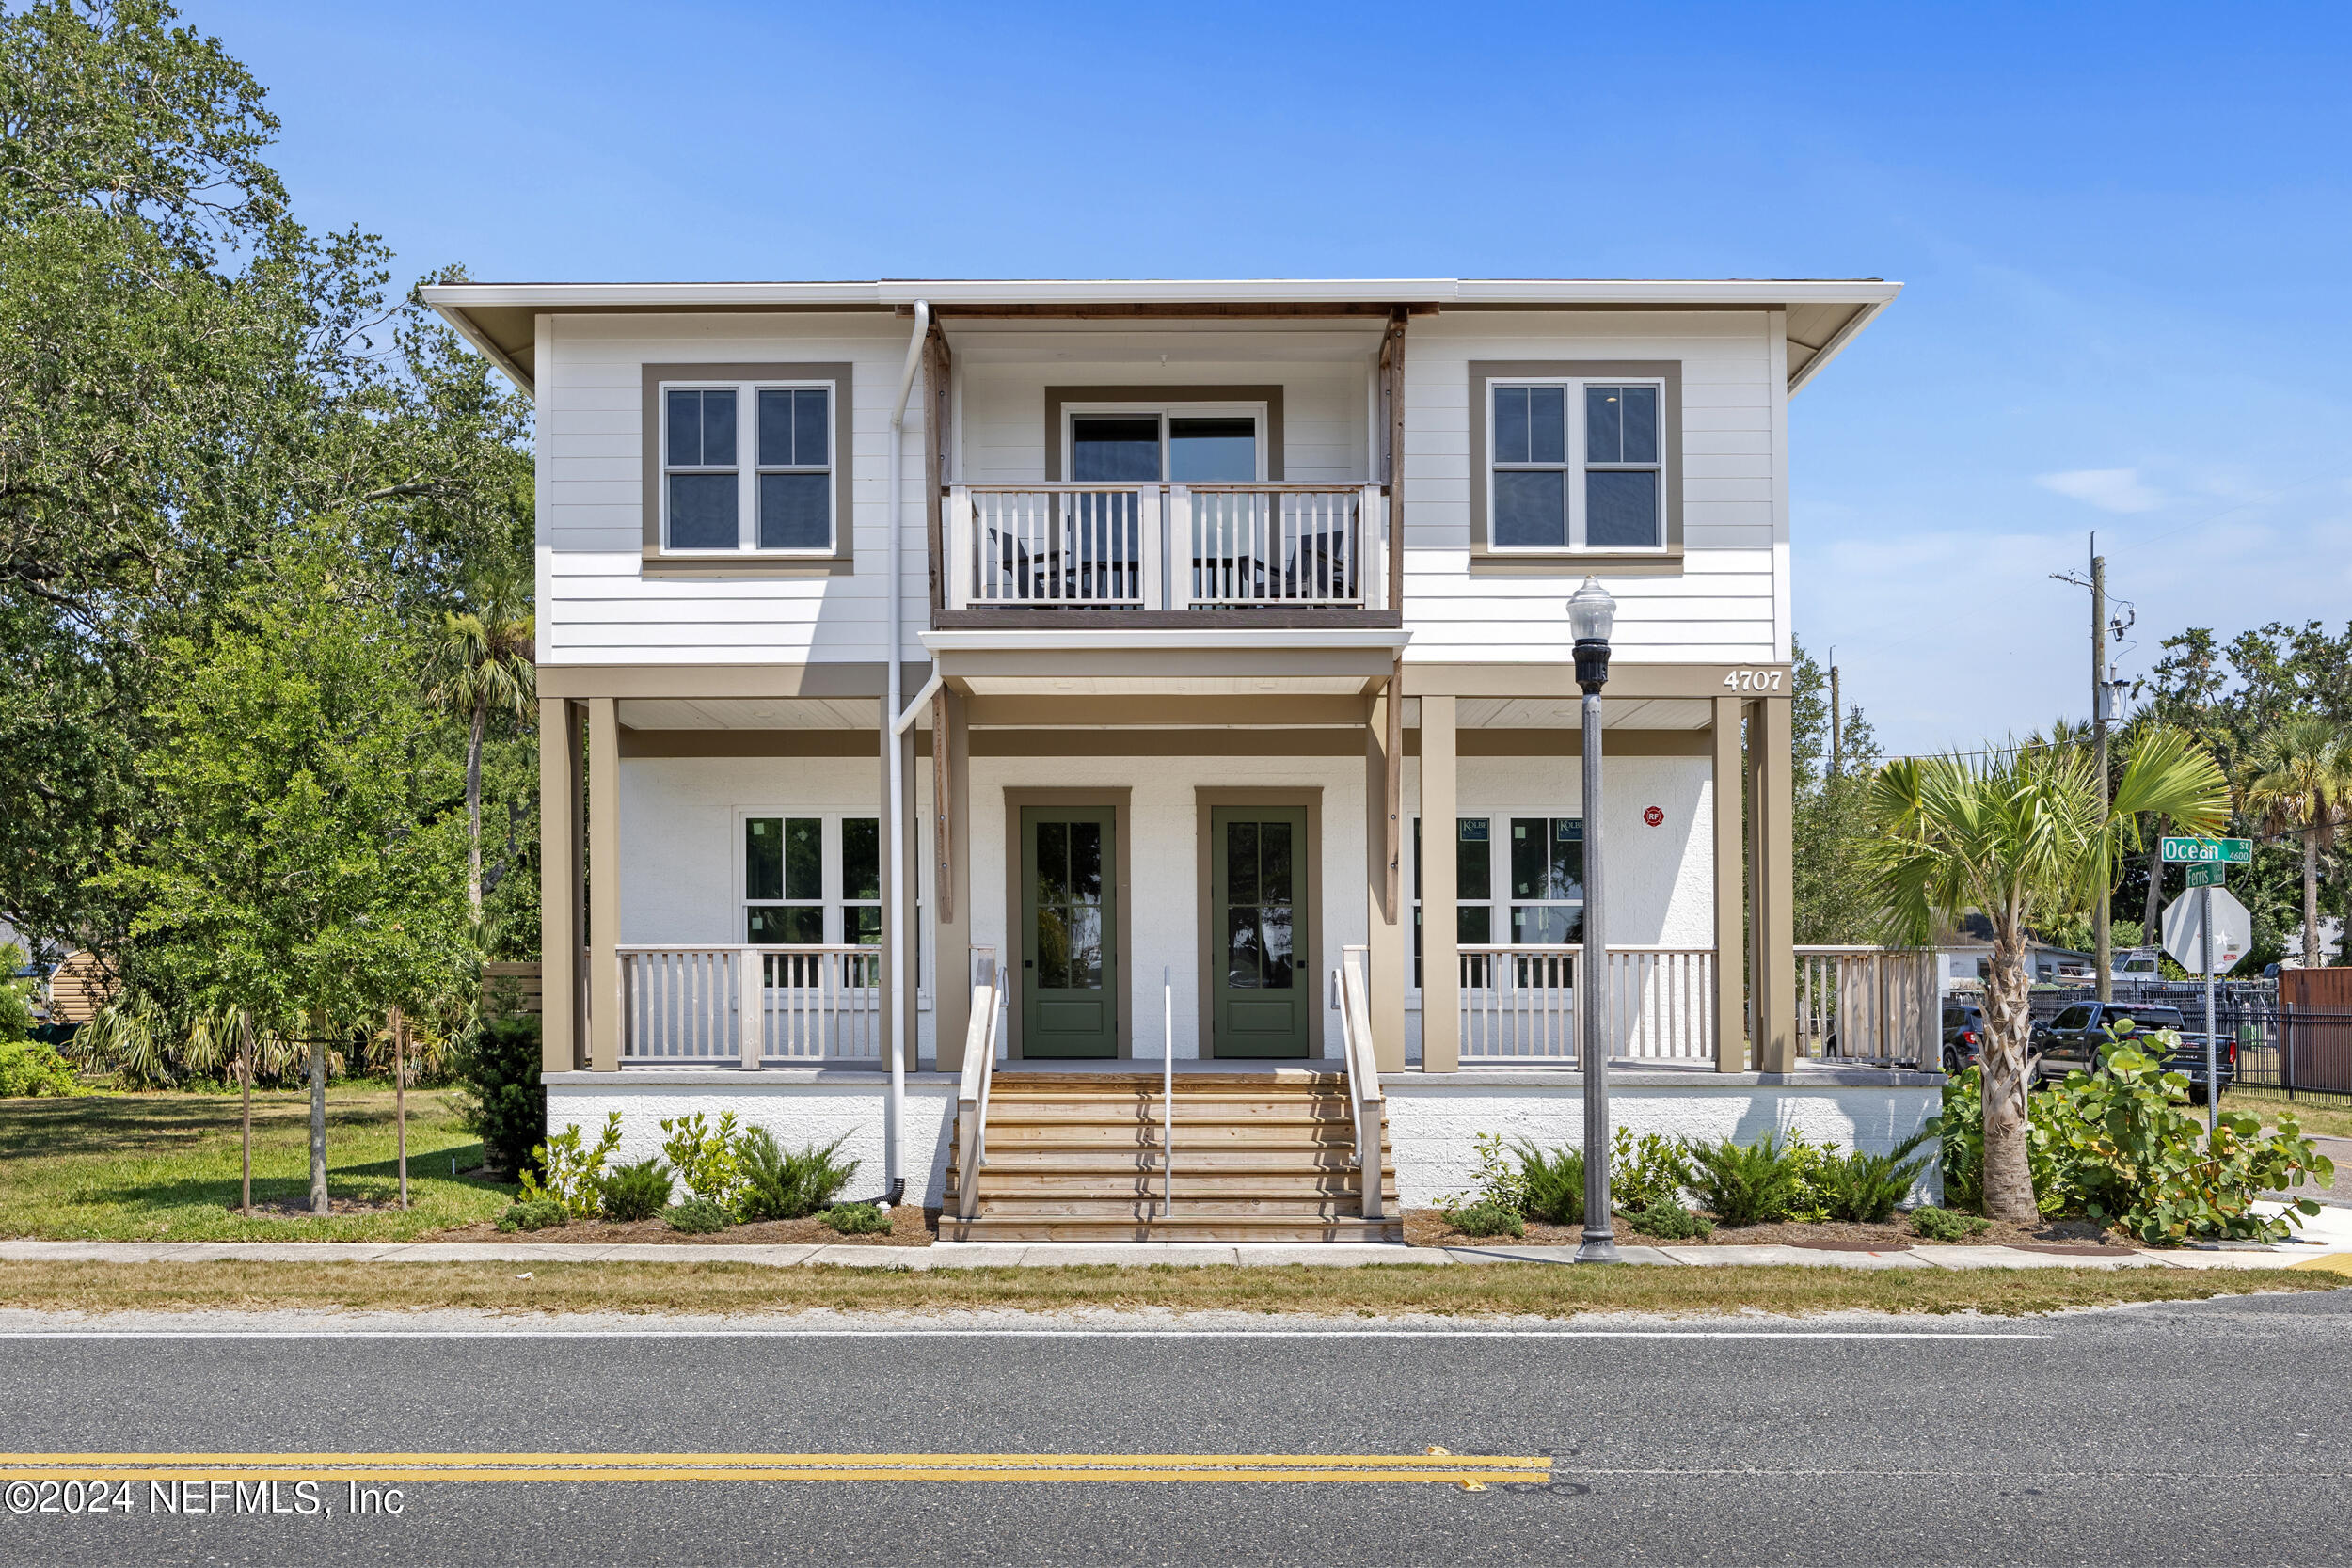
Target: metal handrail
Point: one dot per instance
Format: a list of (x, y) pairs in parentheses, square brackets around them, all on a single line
[(1352, 983), (1168, 1094), (980, 1072)]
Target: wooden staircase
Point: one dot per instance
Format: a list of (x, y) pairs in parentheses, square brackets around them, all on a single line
[(1259, 1157)]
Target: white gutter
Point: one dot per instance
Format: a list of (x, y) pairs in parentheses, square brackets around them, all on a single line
[(922, 699), (903, 1021)]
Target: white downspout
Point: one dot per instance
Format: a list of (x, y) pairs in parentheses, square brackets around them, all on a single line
[(895, 939)]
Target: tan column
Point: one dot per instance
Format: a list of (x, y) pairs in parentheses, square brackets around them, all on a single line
[(899, 990), (604, 885), (559, 887), (1440, 932), (1775, 908), (1385, 937), (952, 815), (1731, 954)]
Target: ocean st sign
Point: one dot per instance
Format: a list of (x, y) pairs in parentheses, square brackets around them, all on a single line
[(2206, 851)]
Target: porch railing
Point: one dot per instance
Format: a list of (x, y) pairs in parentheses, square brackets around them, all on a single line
[(750, 1005), (1165, 546), (1351, 985), (1874, 1007), (1518, 1004), (980, 1040)]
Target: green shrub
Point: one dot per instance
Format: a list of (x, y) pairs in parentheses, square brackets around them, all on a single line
[(1747, 1184), (707, 1158), (1942, 1224), (1647, 1172), (1868, 1187), (574, 1176), (781, 1186), (29, 1070), (637, 1191), (2137, 1162), (856, 1219), (1553, 1183), (697, 1216), (498, 1095), (1501, 1181), (533, 1214), (1672, 1222), (1486, 1219)]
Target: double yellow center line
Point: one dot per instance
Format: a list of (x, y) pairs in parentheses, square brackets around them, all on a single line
[(1472, 1471)]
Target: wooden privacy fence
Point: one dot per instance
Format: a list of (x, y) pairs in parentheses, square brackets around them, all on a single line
[(804, 1003), (1518, 1004)]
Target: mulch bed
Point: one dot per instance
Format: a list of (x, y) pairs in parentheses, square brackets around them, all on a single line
[(912, 1228), (1428, 1227)]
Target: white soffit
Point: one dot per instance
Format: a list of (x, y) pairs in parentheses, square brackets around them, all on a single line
[(1173, 685), (1565, 712)]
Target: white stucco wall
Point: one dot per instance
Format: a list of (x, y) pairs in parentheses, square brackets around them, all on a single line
[(797, 1112), (1433, 1123)]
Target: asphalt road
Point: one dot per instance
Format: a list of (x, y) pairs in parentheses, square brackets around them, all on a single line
[(2207, 1433)]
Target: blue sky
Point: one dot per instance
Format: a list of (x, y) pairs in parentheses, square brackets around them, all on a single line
[(2123, 231)]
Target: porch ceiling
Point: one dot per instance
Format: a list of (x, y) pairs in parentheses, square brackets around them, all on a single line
[(1168, 686), (822, 713), (1561, 713)]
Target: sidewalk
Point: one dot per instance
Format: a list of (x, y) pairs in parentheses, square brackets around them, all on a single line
[(979, 1255)]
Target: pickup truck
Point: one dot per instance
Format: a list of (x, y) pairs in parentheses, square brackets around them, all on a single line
[(2072, 1038)]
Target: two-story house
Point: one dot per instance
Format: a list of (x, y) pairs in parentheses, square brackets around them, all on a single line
[(996, 721)]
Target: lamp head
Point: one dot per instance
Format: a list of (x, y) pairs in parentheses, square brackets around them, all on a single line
[(1592, 615)]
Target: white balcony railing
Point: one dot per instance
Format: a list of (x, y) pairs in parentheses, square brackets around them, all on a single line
[(685, 1006), (1166, 546), (1518, 1004)]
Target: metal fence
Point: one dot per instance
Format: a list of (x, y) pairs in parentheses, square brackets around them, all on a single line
[(2282, 1046)]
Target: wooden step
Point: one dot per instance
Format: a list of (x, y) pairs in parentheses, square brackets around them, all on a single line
[(1230, 1228)]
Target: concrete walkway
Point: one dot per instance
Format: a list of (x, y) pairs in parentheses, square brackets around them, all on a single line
[(978, 1254)]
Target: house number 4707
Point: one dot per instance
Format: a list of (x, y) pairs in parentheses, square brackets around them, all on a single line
[(1754, 680)]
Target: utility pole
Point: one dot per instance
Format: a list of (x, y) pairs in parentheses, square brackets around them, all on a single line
[(1837, 722), (2102, 940)]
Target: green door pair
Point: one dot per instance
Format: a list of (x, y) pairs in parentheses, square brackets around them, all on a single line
[(1260, 994)]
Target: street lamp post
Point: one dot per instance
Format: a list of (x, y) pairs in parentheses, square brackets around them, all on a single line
[(1591, 615)]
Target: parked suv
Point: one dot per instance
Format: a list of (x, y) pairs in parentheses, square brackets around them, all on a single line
[(1964, 1036), (2073, 1038)]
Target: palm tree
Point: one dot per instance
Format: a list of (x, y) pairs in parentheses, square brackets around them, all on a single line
[(2016, 836), (484, 665), (2297, 780)]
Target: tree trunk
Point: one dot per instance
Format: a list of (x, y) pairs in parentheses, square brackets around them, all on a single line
[(2151, 911), (2310, 899), (318, 1114), (2009, 1021), (473, 812)]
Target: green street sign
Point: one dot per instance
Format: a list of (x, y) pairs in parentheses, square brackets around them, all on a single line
[(2207, 875), (2207, 851)]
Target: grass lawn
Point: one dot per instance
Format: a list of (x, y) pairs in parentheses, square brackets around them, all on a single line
[(1483, 1289), (2329, 1116), (152, 1168)]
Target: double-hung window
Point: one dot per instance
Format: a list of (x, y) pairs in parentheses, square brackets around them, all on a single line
[(1474, 882), (765, 488), (1537, 876), (812, 881), (1576, 465)]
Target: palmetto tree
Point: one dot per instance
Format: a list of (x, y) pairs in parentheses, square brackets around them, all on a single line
[(2016, 836), (2297, 780), (484, 665)]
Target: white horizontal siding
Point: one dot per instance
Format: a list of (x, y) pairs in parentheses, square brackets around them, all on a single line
[(598, 605), (1721, 606)]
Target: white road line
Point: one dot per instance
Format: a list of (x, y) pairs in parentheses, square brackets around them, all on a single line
[(1006, 1334)]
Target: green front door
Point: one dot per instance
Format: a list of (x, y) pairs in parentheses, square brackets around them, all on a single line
[(1260, 988), (1069, 932)]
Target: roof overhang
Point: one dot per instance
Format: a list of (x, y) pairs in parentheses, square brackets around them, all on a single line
[(1824, 314)]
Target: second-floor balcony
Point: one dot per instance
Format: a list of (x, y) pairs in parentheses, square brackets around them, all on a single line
[(1050, 549)]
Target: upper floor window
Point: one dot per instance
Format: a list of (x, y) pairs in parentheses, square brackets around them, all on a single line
[(776, 496), (1577, 465)]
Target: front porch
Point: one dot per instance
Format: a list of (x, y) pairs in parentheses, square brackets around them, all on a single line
[(1170, 856)]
